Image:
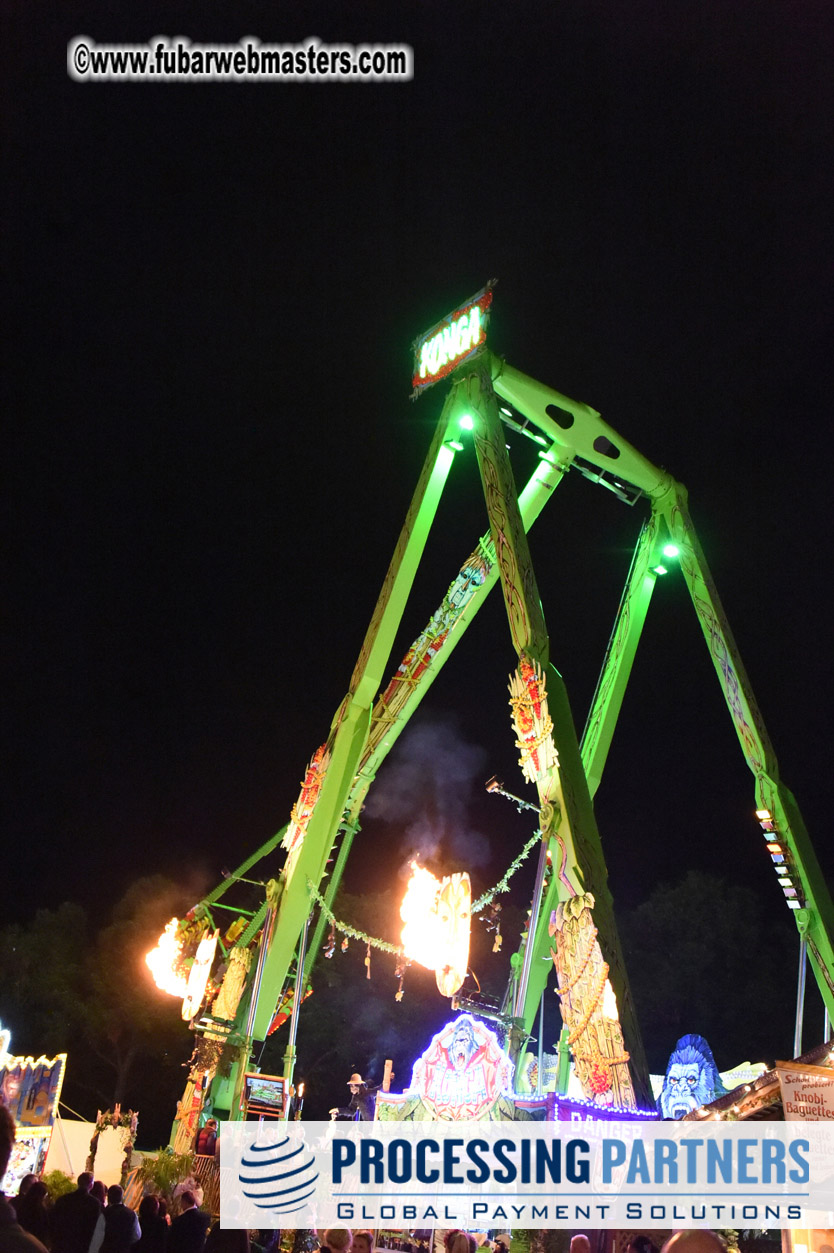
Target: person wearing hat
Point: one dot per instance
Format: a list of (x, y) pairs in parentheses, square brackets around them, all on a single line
[(362, 1101)]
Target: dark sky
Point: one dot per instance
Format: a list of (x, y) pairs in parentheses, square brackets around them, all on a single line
[(210, 449)]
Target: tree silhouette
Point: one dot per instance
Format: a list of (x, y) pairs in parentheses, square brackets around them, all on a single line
[(704, 955), (65, 987)]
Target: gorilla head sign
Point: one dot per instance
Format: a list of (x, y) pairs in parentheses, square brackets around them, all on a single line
[(691, 1079)]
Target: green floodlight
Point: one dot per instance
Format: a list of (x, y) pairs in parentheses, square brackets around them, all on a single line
[(467, 422), (671, 550), (660, 570), (456, 444)]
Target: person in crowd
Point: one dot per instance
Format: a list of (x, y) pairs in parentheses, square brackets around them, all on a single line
[(362, 1101), (268, 1240), (694, 1242), (456, 1241), (336, 1240), (33, 1211), (189, 1184), (363, 1242), (580, 1244), (227, 1240), (207, 1139), (77, 1220), (25, 1184), (121, 1226), (99, 1191), (641, 1244), (190, 1227), (154, 1238), (163, 1211), (13, 1238)]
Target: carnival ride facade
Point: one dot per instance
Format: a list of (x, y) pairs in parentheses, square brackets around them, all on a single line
[(572, 918), (30, 1088)]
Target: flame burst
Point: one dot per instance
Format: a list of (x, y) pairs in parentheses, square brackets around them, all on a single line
[(164, 961), (420, 935), (437, 920)]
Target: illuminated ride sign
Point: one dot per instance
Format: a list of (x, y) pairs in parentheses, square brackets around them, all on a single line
[(30, 1088), (451, 341), (465, 1074)]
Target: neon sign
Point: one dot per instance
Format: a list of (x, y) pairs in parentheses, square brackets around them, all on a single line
[(451, 341), (463, 1072)]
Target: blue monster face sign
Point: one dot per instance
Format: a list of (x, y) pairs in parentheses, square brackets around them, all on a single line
[(691, 1080)]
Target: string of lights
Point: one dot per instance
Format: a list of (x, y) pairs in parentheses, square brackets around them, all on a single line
[(503, 884), (345, 928), (355, 933)]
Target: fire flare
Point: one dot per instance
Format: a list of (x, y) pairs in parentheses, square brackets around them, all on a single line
[(437, 919), (164, 962), (420, 935)]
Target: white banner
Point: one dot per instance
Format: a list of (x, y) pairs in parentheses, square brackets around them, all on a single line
[(807, 1092), (536, 1175)]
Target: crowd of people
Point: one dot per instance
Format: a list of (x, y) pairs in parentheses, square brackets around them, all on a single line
[(93, 1218)]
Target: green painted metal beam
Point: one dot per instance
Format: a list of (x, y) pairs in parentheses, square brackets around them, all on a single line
[(563, 788), (577, 430), (619, 657), (348, 832), (816, 920), (265, 849), (440, 637), (349, 730)]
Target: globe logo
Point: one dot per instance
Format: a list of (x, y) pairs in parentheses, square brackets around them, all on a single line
[(284, 1177)]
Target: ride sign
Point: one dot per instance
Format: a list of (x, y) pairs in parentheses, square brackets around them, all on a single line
[(451, 341)]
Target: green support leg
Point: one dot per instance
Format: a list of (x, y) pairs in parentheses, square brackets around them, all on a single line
[(817, 914), (619, 658), (563, 790), (349, 731)]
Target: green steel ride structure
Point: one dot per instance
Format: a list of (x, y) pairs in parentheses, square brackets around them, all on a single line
[(368, 722)]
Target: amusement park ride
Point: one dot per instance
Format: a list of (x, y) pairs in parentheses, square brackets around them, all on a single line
[(571, 919)]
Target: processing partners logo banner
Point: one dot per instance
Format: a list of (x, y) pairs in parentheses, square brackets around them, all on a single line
[(539, 1175)]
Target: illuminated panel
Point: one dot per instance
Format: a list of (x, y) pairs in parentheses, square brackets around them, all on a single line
[(454, 339), (264, 1095), (30, 1088), (573, 1109), (463, 1073)]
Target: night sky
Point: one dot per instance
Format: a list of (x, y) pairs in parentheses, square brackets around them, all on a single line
[(212, 291)]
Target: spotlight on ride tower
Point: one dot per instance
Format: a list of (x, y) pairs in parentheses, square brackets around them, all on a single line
[(670, 552)]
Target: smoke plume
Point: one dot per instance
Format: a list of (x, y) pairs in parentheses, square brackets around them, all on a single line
[(426, 788)]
